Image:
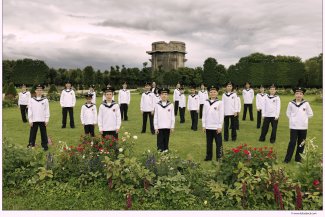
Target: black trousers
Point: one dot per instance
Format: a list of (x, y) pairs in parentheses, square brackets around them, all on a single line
[(144, 123), (124, 111), (236, 122), (201, 110), (182, 114), (163, 139), (296, 138), (89, 129), (259, 119), (250, 108), (33, 133), (65, 111), (194, 118), (265, 129), (112, 133), (24, 112), (176, 107), (233, 128), (210, 135)]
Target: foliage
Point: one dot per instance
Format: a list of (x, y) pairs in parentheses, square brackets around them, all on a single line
[(53, 89), (54, 96), (8, 103), (11, 92)]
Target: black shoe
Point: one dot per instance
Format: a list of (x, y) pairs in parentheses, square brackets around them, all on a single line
[(30, 146), (143, 132), (226, 140), (63, 127), (233, 139), (153, 133), (285, 161), (73, 127), (207, 159), (46, 148), (272, 141), (261, 140), (194, 129)]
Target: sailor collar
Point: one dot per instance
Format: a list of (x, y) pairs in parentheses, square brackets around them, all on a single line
[(211, 103), (295, 103), (89, 105), (262, 94), (271, 97), (229, 94), (248, 89), (164, 106), (39, 100), (193, 95), (147, 92), (108, 106), (68, 90), (24, 92)]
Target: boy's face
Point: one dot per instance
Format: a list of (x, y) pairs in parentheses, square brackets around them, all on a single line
[(229, 88), (272, 90), (247, 86), (91, 89), (164, 96), (178, 86), (124, 86), (109, 96), (39, 91), (153, 84), (299, 96), (192, 91), (147, 87), (88, 99), (68, 86), (262, 89), (213, 94), (23, 88), (202, 87), (182, 91)]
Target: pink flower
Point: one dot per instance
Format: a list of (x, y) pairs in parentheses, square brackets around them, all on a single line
[(315, 182)]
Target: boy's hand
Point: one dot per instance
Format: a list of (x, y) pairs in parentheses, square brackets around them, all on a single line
[(101, 132), (172, 130), (152, 113), (46, 123), (219, 130), (156, 131), (31, 124), (203, 129), (235, 114), (117, 130)]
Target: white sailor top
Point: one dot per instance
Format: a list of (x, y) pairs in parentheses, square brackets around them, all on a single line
[(176, 95), (193, 102), (213, 114), (93, 98), (182, 100), (203, 96), (68, 98), (230, 103), (124, 96), (147, 102), (272, 106), (248, 96), (260, 98), (109, 116), (156, 98), (164, 117), (88, 114), (38, 110), (24, 98), (298, 114)]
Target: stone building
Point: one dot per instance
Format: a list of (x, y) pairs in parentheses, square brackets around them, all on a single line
[(167, 56)]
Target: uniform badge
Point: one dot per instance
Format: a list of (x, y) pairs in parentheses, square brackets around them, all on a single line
[(232, 97), (42, 103), (215, 108), (168, 110), (274, 100), (113, 110), (304, 109)]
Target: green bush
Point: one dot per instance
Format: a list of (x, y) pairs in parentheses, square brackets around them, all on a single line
[(8, 103), (5, 87), (11, 92), (53, 89), (54, 96)]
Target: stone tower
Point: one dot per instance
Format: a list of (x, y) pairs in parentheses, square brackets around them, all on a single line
[(167, 56)]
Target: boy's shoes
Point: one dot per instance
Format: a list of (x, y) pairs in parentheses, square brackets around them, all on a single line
[(206, 159), (30, 146), (63, 126), (272, 141), (73, 127), (261, 140)]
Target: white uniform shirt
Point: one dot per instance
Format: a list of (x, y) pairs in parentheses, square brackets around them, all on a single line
[(193, 102), (203, 96), (164, 117), (299, 114), (260, 99), (182, 100), (38, 110), (271, 107), (24, 98), (68, 98), (248, 96), (88, 114), (124, 96), (176, 95), (156, 98), (213, 114), (230, 103), (147, 102), (93, 98), (109, 116)]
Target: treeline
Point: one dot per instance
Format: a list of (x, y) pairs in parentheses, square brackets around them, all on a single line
[(258, 68)]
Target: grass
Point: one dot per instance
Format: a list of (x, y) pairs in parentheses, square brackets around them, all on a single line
[(189, 144)]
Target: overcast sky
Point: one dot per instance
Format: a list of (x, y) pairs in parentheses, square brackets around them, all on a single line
[(102, 33)]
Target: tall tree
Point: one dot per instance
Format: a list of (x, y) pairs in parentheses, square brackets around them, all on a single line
[(88, 75)]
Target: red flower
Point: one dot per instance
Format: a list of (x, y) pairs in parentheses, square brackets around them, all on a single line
[(255, 149), (240, 147), (65, 148), (245, 145), (315, 182), (298, 198), (265, 147), (260, 149), (246, 152), (107, 137), (235, 150)]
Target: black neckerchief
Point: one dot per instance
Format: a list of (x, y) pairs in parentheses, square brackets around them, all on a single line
[(39, 100), (124, 90), (164, 106), (248, 89), (229, 94), (271, 97), (147, 92), (108, 106), (295, 103), (211, 103), (193, 95), (24, 92), (68, 90), (202, 91), (262, 94), (91, 105)]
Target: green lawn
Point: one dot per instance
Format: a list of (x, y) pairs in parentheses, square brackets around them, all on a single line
[(190, 144)]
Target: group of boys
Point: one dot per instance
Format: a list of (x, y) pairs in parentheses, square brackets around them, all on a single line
[(215, 113)]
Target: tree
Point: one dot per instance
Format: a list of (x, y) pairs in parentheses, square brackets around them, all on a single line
[(11, 92), (53, 89), (313, 75), (88, 75), (209, 75)]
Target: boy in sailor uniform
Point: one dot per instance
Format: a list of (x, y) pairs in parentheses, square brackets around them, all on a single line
[(93, 93), (193, 106), (176, 98), (67, 101), (147, 107), (23, 100), (156, 96), (270, 114), (109, 115), (260, 98), (88, 115), (203, 96), (124, 98), (154, 88), (212, 120), (236, 121), (38, 116), (298, 112), (230, 103), (164, 120), (248, 96), (182, 105), (104, 95)]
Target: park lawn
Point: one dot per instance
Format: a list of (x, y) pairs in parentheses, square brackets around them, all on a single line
[(189, 144)]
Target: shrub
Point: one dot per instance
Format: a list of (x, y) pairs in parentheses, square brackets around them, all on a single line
[(7, 103), (11, 92), (54, 96), (53, 89)]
